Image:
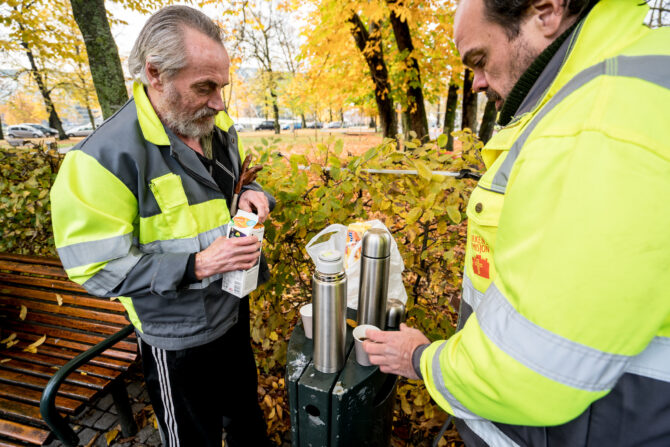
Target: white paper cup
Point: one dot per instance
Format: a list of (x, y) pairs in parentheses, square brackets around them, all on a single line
[(359, 334), (306, 315)]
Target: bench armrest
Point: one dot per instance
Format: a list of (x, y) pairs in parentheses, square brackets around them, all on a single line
[(55, 421)]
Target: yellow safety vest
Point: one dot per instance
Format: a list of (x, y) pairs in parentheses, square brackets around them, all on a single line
[(567, 267)]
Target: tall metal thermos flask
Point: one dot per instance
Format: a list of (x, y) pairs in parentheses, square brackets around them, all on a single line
[(374, 281), (329, 305)]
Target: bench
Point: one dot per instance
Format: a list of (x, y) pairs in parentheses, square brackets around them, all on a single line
[(89, 345)]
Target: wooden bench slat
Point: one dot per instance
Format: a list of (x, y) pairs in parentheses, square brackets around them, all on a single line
[(73, 322), (49, 283), (82, 325), (64, 310), (66, 389), (110, 358), (4, 443), (40, 370), (32, 396), (50, 295), (23, 432), (13, 409), (31, 259), (57, 335), (35, 269), (42, 358)]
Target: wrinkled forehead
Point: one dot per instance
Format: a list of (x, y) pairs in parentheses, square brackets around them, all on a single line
[(468, 21)]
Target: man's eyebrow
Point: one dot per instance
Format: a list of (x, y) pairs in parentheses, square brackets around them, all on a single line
[(470, 54), (205, 83)]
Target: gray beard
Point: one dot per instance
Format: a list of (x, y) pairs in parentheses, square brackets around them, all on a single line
[(181, 122)]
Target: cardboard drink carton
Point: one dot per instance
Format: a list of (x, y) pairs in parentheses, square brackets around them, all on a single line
[(242, 282)]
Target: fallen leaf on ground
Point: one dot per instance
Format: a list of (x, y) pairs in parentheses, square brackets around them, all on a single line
[(111, 435), (24, 312), (10, 338), (4, 360), (59, 298), (32, 348)]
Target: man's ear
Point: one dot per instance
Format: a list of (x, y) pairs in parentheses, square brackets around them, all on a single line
[(154, 77), (548, 17)]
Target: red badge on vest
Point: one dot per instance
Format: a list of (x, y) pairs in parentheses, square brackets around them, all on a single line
[(480, 266)]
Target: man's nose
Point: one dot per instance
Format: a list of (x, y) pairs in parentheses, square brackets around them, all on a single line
[(216, 101), (479, 83)]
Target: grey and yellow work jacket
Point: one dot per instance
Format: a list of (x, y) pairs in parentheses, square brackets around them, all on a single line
[(129, 205), (566, 290)]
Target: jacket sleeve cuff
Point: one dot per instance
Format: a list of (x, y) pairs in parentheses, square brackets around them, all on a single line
[(416, 359), (189, 273)]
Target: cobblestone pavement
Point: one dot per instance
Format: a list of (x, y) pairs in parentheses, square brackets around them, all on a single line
[(100, 420)]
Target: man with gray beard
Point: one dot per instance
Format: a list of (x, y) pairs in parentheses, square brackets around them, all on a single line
[(140, 212)]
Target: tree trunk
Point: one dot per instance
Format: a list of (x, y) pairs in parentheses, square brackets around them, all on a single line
[(90, 114), (103, 55), (304, 122), (418, 122), (2, 135), (342, 117), (371, 48), (275, 111), (469, 118), (54, 120), (488, 121), (450, 112), (406, 127)]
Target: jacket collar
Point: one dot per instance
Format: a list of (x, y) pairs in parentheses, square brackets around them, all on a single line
[(152, 127), (590, 41), (608, 28)]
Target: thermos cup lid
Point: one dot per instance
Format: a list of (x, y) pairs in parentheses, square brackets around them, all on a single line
[(376, 243), (330, 261)]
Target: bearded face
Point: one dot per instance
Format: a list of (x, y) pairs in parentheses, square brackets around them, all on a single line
[(182, 117)]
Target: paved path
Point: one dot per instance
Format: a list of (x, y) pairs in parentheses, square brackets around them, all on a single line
[(100, 419)]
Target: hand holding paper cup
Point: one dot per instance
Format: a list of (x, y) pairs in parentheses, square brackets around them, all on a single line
[(359, 337), (306, 315)]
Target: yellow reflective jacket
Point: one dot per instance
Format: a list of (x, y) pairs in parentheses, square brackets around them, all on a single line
[(567, 268), (129, 205)]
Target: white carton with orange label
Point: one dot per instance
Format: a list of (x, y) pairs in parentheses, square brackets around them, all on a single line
[(242, 282)]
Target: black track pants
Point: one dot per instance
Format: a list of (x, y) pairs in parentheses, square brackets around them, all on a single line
[(193, 390)]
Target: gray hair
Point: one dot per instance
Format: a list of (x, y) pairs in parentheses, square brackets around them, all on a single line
[(161, 41)]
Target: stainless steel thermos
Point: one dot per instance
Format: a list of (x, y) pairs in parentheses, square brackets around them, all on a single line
[(395, 314), (374, 280), (329, 303)]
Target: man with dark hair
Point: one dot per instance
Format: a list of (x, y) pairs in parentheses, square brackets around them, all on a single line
[(564, 327), (140, 211)]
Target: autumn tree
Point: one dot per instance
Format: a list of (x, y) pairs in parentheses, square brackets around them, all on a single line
[(450, 111), (256, 29), (369, 44), (103, 55), (40, 31), (415, 109)]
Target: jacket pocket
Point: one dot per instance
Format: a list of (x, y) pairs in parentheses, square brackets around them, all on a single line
[(483, 213), (171, 198), (165, 317)]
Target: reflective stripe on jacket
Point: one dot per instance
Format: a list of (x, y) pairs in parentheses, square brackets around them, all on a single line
[(566, 280), (130, 204)]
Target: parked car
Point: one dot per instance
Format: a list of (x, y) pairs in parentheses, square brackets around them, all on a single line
[(23, 131), (80, 131), (265, 125), (240, 127), (334, 125), (48, 131), (313, 125), (294, 125)]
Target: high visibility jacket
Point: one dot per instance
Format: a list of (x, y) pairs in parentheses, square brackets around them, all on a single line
[(129, 205), (567, 267)]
